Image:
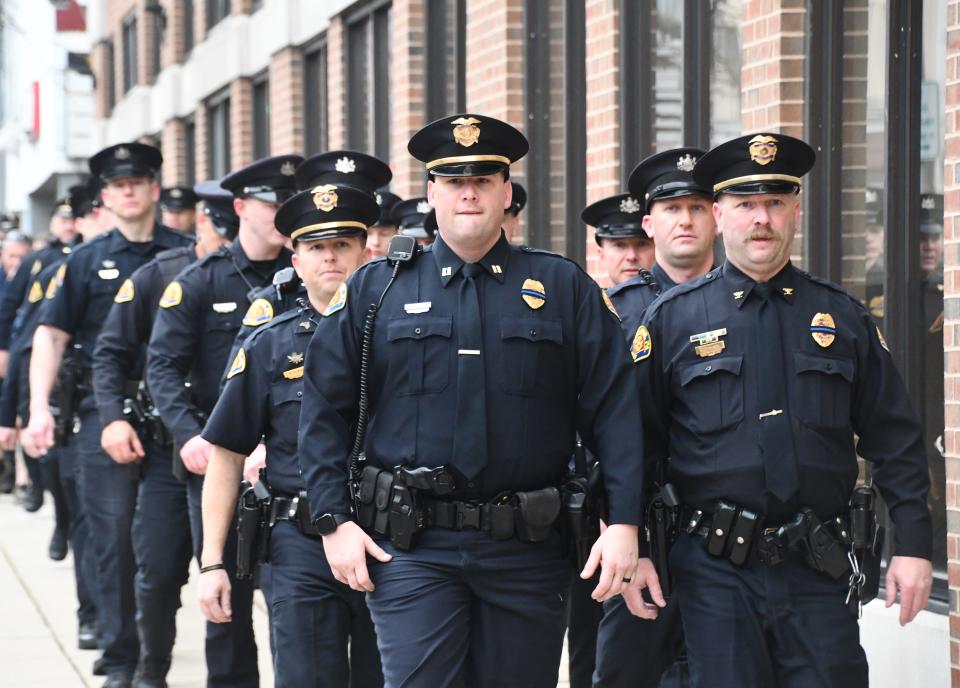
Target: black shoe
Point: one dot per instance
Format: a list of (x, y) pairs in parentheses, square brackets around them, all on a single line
[(7, 476), (31, 496), (58, 545), (144, 681), (120, 679), (99, 667), (87, 638)]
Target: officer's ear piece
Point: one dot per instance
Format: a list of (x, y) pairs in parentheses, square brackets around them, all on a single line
[(402, 248)]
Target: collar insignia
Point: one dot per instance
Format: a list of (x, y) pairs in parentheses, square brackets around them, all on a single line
[(295, 358)]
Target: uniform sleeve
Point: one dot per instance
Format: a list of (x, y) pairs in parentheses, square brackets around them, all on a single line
[(240, 417), (11, 299), (891, 437), (260, 312), (67, 309), (122, 342), (608, 406), (10, 394), (173, 347), (329, 408)]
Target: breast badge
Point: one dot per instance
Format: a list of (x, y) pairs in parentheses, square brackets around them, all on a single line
[(709, 343), (172, 295), (533, 293), (125, 292), (642, 345), (823, 329)]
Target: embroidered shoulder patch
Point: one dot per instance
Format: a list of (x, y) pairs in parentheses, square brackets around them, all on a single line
[(239, 363), (338, 301), (172, 295), (610, 306), (52, 286), (259, 313), (642, 345), (125, 292), (61, 274), (36, 292)]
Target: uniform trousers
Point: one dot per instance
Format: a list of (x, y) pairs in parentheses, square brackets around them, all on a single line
[(758, 626), (461, 609), (583, 619)]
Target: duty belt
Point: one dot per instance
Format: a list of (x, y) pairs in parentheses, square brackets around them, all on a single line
[(495, 518), (295, 509)]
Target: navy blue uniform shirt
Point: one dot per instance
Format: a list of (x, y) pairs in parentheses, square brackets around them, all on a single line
[(15, 293), (262, 397), (92, 274), (554, 366), (199, 316), (632, 297), (703, 412), (122, 345)]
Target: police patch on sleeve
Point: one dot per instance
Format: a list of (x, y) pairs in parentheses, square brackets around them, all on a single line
[(36, 267), (172, 295), (52, 287), (883, 342), (609, 303), (36, 292), (259, 313), (61, 274), (125, 292), (642, 346), (338, 301), (239, 363)]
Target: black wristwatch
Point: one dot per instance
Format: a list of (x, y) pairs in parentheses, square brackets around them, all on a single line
[(328, 523)]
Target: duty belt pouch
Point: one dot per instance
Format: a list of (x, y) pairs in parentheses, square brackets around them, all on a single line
[(825, 552), (366, 512), (741, 536), (501, 521), (536, 513), (720, 526), (381, 502)]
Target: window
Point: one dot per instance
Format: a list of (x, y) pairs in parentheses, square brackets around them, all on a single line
[(109, 75), (315, 98), (445, 58), (368, 80), (156, 20), (190, 151), (188, 11), (261, 117), (217, 10), (129, 41), (218, 135)]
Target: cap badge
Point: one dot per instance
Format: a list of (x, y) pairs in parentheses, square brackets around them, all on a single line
[(823, 329), (345, 165), (466, 132), (122, 153), (533, 293), (176, 193), (686, 162), (927, 202), (378, 198), (288, 169), (629, 205), (763, 149), (423, 207), (642, 345), (325, 197)]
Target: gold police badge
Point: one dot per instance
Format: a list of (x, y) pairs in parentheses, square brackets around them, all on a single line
[(534, 295), (125, 292), (259, 313), (325, 197), (642, 345), (172, 295), (763, 149), (823, 329), (466, 132)]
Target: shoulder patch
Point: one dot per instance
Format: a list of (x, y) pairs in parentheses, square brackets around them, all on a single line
[(338, 301), (36, 267), (172, 295), (61, 274), (642, 346), (259, 313), (52, 287), (239, 363), (609, 303), (125, 292), (36, 292), (883, 342)]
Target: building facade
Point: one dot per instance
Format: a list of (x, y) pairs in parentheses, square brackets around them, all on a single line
[(597, 85)]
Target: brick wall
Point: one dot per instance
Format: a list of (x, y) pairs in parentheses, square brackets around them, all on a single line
[(406, 94), (286, 101), (336, 86), (241, 123), (200, 129), (951, 329), (174, 158), (98, 62)]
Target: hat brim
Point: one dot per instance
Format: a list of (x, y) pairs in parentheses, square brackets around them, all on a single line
[(319, 234), (677, 193), (622, 232), (126, 170), (759, 187), (468, 169)]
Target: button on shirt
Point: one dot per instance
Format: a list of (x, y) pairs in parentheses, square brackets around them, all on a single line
[(262, 398), (556, 363), (703, 409)]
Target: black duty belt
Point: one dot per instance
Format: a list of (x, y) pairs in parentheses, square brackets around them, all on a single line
[(294, 509), (495, 518)]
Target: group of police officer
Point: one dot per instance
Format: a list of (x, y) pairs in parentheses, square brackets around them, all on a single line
[(399, 424)]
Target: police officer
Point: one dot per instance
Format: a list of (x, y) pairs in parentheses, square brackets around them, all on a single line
[(379, 234), (760, 377), (634, 652), (133, 435), (623, 245), (199, 316), (178, 207), (412, 219), (511, 214), (485, 360), (88, 282), (313, 616)]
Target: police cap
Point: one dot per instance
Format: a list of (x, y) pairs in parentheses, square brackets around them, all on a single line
[(755, 164), (387, 201), (615, 217), (343, 167), (126, 160), (218, 206), (269, 179), (81, 199), (931, 214), (178, 198), (468, 145), (327, 211), (63, 208), (667, 175), (411, 216), (519, 200)]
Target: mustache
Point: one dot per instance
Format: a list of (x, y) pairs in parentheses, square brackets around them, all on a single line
[(760, 234)]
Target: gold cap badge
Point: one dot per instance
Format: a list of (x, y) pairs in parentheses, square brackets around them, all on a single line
[(325, 197), (763, 149), (466, 132)]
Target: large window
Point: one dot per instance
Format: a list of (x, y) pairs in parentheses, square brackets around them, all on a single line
[(315, 122), (109, 74), (445, 58), (190, 151), (261, 117), (156, 19), (216, 11), (129, 41), (218, 134), (188, 10), (368, 79)]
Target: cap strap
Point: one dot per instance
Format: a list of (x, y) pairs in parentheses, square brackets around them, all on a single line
[(328, 225), (457, 159), (755, 178)]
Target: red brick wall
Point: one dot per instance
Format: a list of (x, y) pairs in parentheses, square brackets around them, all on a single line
[(336, 87), (174, 159), (951, 329), (200, 135), (406, 94), (241, 123), (286, 101)]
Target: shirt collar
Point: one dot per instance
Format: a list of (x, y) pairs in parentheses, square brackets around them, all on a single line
[(740, 285), (449, 263), (662, 278)]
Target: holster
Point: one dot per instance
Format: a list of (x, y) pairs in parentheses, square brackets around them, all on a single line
[(867, 538), (583, 502), (662, 521), (252, 528), (535, 514), (405, 516)]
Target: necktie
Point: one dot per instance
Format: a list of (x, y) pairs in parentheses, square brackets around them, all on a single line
[(470, 433), (776, 433)]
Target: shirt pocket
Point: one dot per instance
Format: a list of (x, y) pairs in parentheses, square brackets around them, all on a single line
[(420, 349), (711, 394), (824, 389), (531, 355), (286, 396)]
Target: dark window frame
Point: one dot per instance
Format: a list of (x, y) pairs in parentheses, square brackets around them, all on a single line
[(157, 24), (316, 114), (189, 150), (436, 55), (260, 110), (189, 10), (362, 105), (216, 12), (218, 106), (131, 44), (110, 73)]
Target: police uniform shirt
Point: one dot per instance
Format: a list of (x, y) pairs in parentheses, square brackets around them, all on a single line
[(262, 397), (703, 409), (121, 347), (16, 292), (199, 316), (91, 277), (633, 296), (555, 364)]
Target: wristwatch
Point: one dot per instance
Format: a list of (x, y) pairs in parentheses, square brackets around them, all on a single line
[(328, 523)]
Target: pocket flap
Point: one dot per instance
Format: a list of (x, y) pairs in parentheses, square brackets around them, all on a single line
[(419, 327), (282, 392), (709, 366), (806, 363), (531, 329)]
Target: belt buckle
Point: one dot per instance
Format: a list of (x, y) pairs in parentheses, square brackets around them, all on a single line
[(468, 516)]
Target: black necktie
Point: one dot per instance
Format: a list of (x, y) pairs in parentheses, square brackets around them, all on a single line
[(470, 433), (776, 434)]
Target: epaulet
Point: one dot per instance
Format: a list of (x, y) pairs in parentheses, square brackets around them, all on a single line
[(832, 286), (644, 278), (544, 252), (683, 288), (266, 327), (174, 253)]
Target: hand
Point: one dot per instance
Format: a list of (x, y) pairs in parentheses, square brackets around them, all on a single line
[(8, 439), (4, 362), (913, 577), (196, 454), (38, 437), (121, 442), (616, 552), (646, 577), (214, 594), (346, 549), (253, 463)]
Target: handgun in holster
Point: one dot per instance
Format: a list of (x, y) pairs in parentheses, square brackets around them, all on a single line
[(825, 551), (252, 525), (63, 401), (867, 537), (663, 518), (405, 515), (133, 414), (583, 504)]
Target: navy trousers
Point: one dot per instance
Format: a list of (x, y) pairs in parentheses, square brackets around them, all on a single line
[(583, 619)]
